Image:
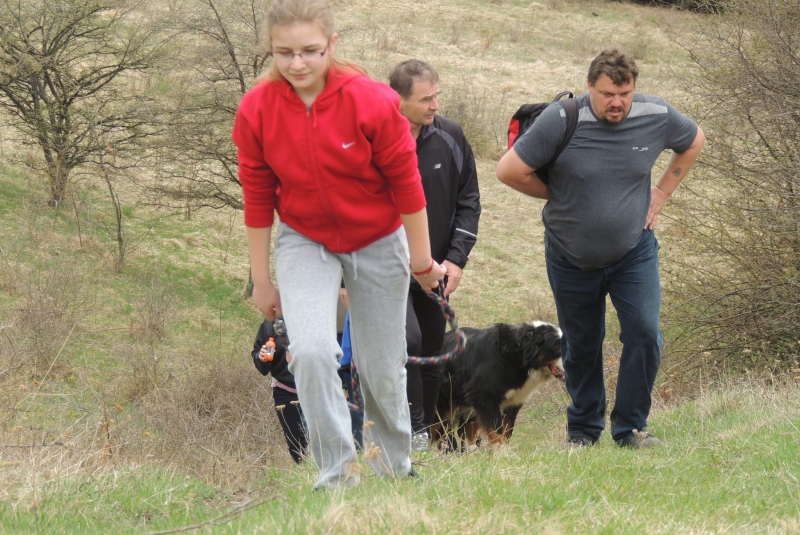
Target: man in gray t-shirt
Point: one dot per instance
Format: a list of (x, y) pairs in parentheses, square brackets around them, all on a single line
[(599, 219)]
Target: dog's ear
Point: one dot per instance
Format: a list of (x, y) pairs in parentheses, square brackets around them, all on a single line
[(540, 343), (551, 343), (504, 338), (531, 342)]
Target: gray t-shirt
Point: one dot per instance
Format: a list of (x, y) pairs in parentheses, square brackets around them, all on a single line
[(600, 184)]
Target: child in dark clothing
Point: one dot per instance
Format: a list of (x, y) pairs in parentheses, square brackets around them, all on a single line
[(356, 415), (284, 392)]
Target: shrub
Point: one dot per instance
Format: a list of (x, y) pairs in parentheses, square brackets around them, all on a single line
[(734, 296), (219, 423), (482, 115), (697, 6)]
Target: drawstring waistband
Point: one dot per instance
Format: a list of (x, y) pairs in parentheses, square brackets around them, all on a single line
[(323, 255)]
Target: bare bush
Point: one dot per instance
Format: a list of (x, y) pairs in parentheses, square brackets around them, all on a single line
[(54, 301), (54, 436), (153, 306), (734, 288), (147, 370), (482, 115), (698, 6), (219, 423)]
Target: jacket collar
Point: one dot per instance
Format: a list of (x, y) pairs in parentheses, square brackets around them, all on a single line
[(336, 79), (428, 130)]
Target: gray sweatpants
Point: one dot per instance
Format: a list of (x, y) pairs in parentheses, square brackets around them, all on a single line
[(309, 277)]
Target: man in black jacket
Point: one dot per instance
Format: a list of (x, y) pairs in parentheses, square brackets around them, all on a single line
[(450, 181)]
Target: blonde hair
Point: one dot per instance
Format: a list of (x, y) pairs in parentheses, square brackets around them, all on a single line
[(319, 12)]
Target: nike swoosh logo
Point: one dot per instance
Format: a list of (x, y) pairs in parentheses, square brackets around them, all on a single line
[(348, 145)]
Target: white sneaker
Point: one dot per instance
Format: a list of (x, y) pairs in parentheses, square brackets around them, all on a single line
[(420, 442)]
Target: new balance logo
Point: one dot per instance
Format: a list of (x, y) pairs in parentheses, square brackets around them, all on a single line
[(348, 145), (437, 166)]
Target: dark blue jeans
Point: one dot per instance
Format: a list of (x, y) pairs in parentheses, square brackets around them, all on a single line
[(580, 296)]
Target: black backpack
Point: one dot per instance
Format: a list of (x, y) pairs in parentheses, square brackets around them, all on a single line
[(527, 114)]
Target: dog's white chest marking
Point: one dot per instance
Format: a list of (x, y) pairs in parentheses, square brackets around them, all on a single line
[(518, 396)]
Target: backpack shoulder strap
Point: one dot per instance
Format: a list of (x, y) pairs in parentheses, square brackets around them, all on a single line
[(563, 94), (570, 106)]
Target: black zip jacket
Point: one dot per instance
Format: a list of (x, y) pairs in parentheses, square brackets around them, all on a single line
[(278, 367), (450, 181)]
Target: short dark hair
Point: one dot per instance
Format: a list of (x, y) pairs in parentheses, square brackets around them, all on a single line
[(615, 63), (406, 73)]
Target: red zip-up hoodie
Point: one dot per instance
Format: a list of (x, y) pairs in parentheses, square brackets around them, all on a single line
[(339, 172)]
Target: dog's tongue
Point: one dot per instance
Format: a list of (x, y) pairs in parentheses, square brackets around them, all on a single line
[(557, 373)]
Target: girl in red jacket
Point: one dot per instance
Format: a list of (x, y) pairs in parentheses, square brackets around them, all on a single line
[(326, 147)]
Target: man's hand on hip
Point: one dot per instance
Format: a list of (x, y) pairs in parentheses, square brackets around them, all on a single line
[(658, 199)]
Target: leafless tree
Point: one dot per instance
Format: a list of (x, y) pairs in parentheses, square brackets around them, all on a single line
[(220, 56), (61, 67), (736, 286)]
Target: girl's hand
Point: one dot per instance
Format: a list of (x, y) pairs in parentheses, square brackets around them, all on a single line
[(267, 300), (430, 280)]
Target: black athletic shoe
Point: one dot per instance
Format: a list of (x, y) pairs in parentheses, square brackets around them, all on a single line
[(577, 441)]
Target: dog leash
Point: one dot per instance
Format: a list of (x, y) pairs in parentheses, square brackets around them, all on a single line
[(461, 340)]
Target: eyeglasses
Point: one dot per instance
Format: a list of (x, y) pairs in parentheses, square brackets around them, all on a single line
[(308, 55)]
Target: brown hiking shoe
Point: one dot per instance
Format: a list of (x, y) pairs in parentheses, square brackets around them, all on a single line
[(639, 441)]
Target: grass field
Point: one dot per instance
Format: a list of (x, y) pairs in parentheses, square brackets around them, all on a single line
[(128, 402), (729, 466)]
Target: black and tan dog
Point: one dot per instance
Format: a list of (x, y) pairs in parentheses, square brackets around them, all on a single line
[(484, 387)]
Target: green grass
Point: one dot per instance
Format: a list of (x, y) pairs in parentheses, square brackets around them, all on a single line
[(125, 501), (12, 190)]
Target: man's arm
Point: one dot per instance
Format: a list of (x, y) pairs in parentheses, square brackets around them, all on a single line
[(677, 168), (464, 231), (513, 172)]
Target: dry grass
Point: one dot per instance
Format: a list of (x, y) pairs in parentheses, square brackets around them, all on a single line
[(218, 423), (492, 57), (505, 280)]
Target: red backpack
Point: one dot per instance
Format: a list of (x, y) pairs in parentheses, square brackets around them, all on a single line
[(527, 114)]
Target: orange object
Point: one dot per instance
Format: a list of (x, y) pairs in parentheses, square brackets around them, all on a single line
[(268, 351)]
